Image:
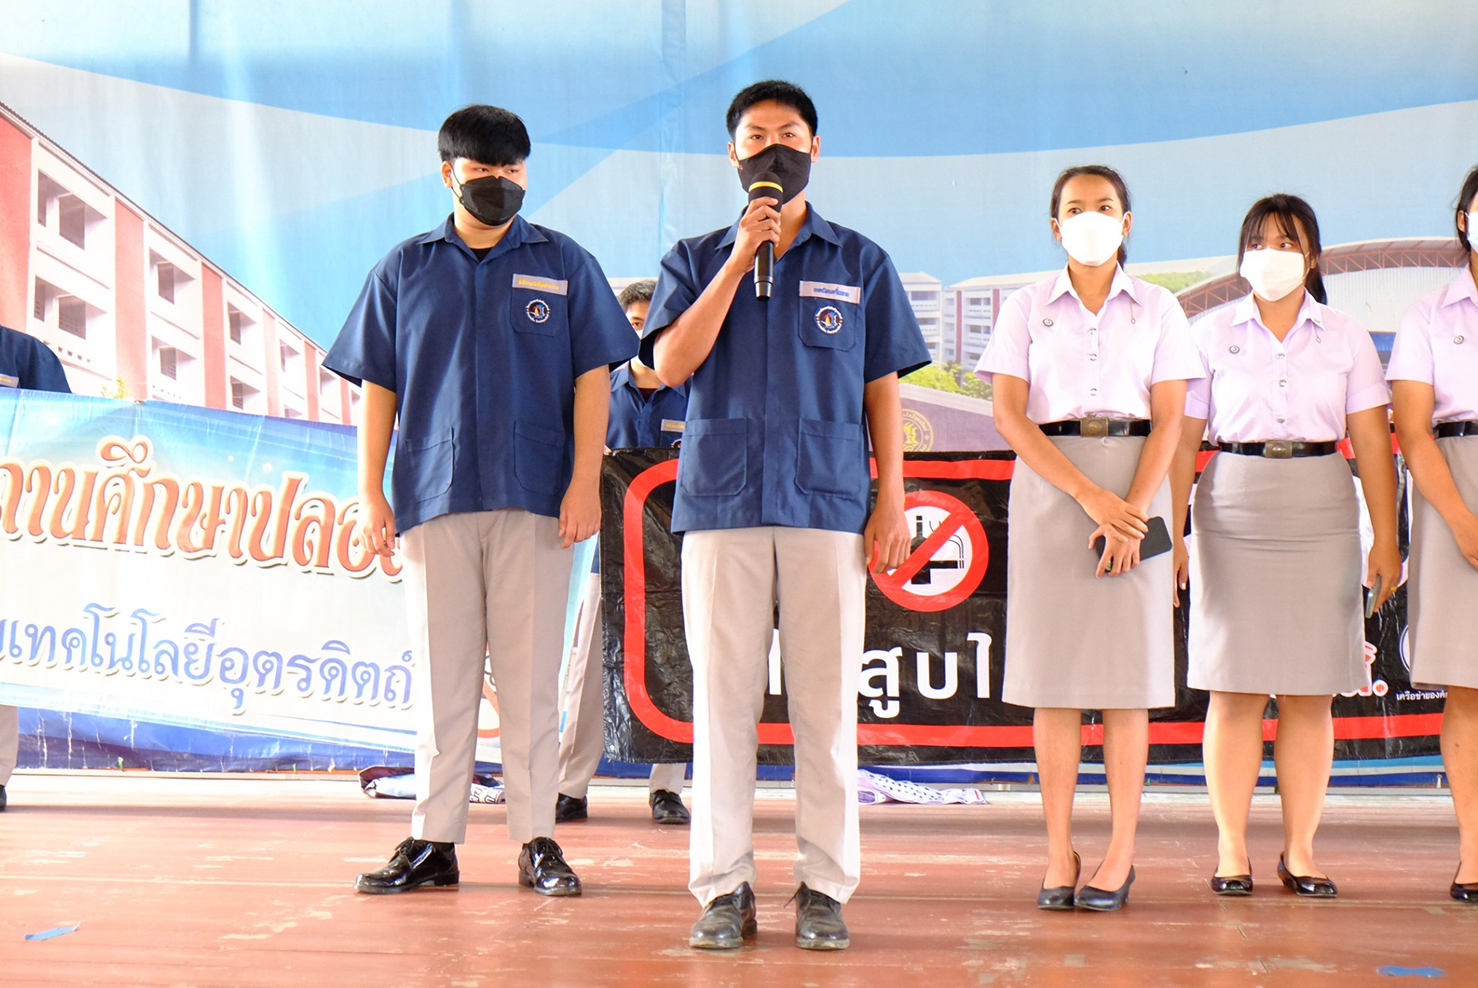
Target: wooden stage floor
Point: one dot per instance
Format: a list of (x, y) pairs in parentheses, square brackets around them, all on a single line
[(245, 882)]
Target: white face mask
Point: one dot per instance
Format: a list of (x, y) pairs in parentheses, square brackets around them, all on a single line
[(1273, 274), (1092, 238)]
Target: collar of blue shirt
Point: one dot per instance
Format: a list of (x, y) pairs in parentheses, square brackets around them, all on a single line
[(1121, 283), (520, 232), (621, 377), (813, 223)]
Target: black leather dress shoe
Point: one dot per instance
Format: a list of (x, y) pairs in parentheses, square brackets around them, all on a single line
[(413, 864), (1311, 886), (818, 921), (726, 922), (568, 808), (1060, 897), (1102, 900), (1233, 884), (541, 867), (667, 807), (2, 799)]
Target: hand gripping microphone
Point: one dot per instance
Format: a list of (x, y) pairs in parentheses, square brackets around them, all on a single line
[(765, 184)]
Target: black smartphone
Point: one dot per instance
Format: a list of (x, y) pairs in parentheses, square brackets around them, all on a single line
[(1156, 540)]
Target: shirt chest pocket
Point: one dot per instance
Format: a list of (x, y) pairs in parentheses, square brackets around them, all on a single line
[(539, 312), (829, 323)]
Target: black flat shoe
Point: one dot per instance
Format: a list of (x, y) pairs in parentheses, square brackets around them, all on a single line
[(818, 921), (568, 808), (542, 867), (413, 864), (1233, 884), (727, 921), (667, 807), (1461, 891), (1317, 888), (1102, 900), (1061, 897)]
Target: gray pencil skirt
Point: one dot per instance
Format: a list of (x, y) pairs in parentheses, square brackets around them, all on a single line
[(1275, 577), (1442, 588), (1072, 640)]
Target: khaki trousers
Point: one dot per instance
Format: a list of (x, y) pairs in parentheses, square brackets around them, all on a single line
[(583, 741), (732, 581), (478, 584), (10, 739)]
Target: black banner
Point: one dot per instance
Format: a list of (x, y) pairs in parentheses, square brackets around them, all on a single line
[(935, 637)]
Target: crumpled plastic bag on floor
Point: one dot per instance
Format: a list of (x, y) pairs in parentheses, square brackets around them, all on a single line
[(400, 783), (874, 788)]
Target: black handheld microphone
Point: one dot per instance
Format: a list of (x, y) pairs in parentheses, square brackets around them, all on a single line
[(765, 185)]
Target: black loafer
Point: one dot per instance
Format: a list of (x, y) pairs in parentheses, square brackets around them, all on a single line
[(413, 864), (818, 921), (667, 807), (568, 808), (542, 867), (1233, 884), (1061, 897), (1102, 900), (727, 921), (1308, 885), (2, 799)]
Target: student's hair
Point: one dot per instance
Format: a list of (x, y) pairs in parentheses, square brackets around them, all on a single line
[(771, 90), (1100, 171), (1286, 209), (1464, 202), (637, 291), (490, 135)]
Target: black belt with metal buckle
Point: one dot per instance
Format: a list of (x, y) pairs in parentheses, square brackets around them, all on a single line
[(1446, 430), (1097, 426), (1279, 449)]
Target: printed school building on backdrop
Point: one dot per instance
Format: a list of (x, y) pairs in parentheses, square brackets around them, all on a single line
[(134, 311)]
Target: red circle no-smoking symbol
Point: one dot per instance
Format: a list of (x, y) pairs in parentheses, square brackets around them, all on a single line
[(948, 558)]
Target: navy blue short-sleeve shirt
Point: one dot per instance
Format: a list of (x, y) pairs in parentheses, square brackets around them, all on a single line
[(482, 356), (26, 362), (776, 433), (639, 421)]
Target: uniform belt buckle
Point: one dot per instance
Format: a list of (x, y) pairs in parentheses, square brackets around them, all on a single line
[(1095, 427), (1277, 449)]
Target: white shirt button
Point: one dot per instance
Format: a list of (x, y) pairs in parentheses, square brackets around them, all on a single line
[(1093, 392), (1282, 384)]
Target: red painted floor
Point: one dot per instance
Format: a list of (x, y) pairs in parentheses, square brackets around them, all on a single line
[(246, 882)]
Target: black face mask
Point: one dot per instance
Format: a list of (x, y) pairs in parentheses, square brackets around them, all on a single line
[(791, 167), (491, 199)]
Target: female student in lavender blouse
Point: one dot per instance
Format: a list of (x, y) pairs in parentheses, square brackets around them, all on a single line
[(1434, 383), (1275, 576)]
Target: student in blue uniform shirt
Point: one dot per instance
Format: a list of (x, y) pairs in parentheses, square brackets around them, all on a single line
[(25, 362), (773, 495), (492, 339), (648, 414)]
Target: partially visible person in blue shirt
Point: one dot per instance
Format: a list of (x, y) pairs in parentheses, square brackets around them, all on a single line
[(492, 340), (645, 413), (27, 363)]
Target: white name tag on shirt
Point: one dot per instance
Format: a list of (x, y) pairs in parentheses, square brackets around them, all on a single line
[(550, 285), (7, 381), (672, 425), (840, 293)]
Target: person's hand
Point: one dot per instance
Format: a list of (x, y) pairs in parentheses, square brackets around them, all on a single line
[(579, 512), (1119, 555), (1181, 558), (1114, 515), (377, 523), (885, 540), (760, 223), (1383, 563), (1466, 533)]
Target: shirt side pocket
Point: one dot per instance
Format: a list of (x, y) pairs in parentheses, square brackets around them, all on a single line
[(423, 466), (714, 461), (830, 458), (538, 457)]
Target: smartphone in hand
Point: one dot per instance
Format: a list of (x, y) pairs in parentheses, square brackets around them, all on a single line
[(1155, 541), (1372, 594)]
